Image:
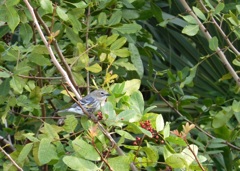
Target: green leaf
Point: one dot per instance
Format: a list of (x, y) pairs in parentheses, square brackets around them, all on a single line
[(237, 63), (125, 134), (5, 87), (85, 150), (191, 30), (115, 18), (109, 112), (47, 151), (40, 49), (189, 154), (124, 63), (31, 137), (128, 28), (219, 8), (12, 2), (238, 8), (213, 43), (132, 127), (130, 14), (152, 155), (95, 68), (124, 52), (136, 59), (76, 24), (137, 103), (189, 19), (128, 115), (176, 140), (111, 39), (102, 19), (236, 106), (132, 86), (25, 33), (47, 5), (72, 36), (159, 123), (51, 131), (4, 74), (35, 96), (17, 84), (61, 12), (189, 79), (176, 161), (70, 123), (24, 152), (166, 130), (120, 163), (39, 59), (199, 13), (157, 12), (216, 145), (118, 43), (221, 118), (76, 163), (12, 17)]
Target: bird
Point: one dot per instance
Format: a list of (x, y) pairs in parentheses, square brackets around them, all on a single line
[(91, 103)]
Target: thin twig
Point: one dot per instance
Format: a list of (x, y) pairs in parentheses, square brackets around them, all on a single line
[(208, 37), (53, 58), (199, 128), (11, 159), (99, 153), (8, 145), (39, 78), (195, 156), (58, 50), (139, 146), (220, 30), (87, 32)]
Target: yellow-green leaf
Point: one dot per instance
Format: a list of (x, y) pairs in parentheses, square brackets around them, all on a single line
[(95, 68)]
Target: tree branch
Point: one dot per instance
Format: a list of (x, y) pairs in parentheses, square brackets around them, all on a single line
[(196, 126), (208, 37), (220, 30), (11, 159), (53, 58)]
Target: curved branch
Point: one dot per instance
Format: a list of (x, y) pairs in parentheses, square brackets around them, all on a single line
[(53, 58), (208, 37), (220, 30), (55, 45), (196, 126)]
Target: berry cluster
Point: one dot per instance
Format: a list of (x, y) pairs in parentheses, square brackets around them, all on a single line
[(155, 136), (99, 116), (137, 141)]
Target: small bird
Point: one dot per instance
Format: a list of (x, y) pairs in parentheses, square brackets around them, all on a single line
[(91, 103)]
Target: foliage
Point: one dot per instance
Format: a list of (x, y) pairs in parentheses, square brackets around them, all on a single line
[(173, 104)]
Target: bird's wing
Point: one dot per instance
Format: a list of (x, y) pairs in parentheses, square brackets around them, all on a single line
[(89, 103)]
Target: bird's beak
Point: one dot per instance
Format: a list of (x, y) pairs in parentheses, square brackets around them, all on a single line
[(108, 94)]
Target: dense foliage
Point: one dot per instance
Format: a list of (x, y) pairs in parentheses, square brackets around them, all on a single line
[(171, 68)]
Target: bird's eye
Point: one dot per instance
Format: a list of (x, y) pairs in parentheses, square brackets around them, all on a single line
[(102, 93)]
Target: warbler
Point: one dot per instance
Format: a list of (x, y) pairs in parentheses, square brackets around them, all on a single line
[(91, 103)]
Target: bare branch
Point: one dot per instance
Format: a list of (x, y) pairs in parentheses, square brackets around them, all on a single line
[(54, 60), (220, 30), (11, 159), (208, 37), (198, 127)]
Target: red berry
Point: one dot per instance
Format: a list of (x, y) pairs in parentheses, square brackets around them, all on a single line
[(138, 138)]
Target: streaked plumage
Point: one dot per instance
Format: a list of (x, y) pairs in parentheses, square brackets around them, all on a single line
[(91, 103)]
